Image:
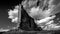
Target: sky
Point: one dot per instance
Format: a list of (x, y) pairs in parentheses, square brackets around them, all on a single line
[(4, 6)]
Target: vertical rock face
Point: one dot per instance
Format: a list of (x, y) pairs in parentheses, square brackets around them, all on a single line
[(28, 22)]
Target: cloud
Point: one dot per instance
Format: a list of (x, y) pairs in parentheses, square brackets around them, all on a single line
[(13, 14)]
